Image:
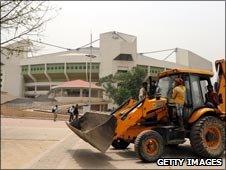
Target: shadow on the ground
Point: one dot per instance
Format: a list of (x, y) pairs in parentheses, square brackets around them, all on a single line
[(181, 151), (170, 152), (126, 153), (88, 159)]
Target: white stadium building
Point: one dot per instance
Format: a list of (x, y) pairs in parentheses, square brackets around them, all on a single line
[(25, 76)]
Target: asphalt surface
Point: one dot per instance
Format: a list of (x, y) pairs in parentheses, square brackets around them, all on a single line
[(38, 144)]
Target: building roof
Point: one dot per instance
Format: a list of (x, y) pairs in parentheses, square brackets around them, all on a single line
[(186, 70), (77, 84), (116, 35)]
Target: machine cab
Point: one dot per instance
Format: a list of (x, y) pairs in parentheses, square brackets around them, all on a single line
[(195, 81)]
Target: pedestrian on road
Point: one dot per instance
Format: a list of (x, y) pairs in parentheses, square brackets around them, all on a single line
[(71, 112), (54, 111), (76, 113)]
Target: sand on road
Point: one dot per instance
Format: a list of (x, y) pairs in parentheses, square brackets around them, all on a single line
[(44, 144), (24, 139)]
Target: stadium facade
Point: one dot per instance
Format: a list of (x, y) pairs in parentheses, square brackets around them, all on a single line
[(25, 76)]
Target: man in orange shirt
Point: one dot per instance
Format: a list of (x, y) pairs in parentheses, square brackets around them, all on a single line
[(179, 99)]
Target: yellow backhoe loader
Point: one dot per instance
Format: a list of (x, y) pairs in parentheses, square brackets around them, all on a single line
[(151, 124)]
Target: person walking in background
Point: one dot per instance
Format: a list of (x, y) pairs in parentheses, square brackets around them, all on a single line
[(179, 99), (54, 111), (143, 91), (76, 113)]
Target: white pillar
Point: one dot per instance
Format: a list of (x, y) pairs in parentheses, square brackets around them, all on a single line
[(65, 71), (61, 92), (80, 92)]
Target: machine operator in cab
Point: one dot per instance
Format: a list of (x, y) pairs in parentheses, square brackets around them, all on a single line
[(211, 97), (179, 99)]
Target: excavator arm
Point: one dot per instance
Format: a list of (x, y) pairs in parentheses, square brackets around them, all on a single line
[(100, 130), (220, 84), (139, 112)]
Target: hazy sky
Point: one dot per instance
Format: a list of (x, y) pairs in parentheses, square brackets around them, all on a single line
[(196, 26)]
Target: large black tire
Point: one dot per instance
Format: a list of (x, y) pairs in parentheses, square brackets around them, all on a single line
[(120, 144), (207, 137), (149, 146)]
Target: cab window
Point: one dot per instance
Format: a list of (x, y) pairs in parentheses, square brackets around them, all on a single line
[(204, 83), (196, 90)]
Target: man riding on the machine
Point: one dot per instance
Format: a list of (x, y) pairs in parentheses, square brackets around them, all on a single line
[(179, 99)]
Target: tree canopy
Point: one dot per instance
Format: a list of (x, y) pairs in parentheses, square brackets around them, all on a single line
[(124, 85)]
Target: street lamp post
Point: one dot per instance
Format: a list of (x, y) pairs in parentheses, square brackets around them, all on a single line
[(90, 70)]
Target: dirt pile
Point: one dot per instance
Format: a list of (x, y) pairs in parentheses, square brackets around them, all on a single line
[(7, 111)]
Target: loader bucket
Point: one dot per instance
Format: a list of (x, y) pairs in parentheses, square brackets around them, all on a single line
[(96, 129)]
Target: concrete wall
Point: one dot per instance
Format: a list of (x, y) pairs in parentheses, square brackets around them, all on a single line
[(79, 99), (12, 80), (192, 60), (111, 45), (62, 57), (148, 61)]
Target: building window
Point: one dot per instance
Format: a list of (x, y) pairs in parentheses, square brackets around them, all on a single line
[(43, 88), (94, 93), (30, 88), (76, 67), (85, 93), (80, 67), (67, 67), (196, 91), (56, 68), (72, 92), (84, 67)]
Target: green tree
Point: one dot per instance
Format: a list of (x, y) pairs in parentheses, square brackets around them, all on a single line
[(122, 86)]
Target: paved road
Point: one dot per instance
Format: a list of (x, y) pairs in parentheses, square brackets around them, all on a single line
[(59, 148)]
